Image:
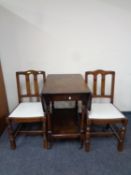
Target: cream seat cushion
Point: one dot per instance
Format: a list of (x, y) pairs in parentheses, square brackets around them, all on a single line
[(28, 109), (104, 111)]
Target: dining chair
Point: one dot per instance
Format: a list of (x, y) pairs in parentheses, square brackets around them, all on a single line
[(29, 110), (104, 119)]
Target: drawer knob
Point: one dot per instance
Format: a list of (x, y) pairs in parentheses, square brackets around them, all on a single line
[(69, 97)]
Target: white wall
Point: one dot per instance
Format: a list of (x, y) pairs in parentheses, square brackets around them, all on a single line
[(67, 36)]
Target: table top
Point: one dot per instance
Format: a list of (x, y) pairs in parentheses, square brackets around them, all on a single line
[(65, 84)]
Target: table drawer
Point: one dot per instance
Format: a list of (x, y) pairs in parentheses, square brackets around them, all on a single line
[(65, 97)]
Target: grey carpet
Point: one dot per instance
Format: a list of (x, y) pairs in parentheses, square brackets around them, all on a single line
[(65, 157)]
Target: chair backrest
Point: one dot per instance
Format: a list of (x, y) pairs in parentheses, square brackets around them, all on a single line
[(101, 83), (30, 84)]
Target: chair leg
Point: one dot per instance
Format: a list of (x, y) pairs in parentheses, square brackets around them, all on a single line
[(82, 136), (45, 140), (87, 139), (46, 144), (82, 133), (11, 135), (120, 145)]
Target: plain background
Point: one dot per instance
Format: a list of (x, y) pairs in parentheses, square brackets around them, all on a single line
[(67, 36)]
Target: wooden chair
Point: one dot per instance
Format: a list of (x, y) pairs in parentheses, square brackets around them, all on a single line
[(104, 113), (29, 110)]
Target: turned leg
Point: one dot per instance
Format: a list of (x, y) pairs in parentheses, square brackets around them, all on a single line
[(44, 135), (46, 144), (11, 135), (45, 140), (81, 138), (81, 131), (87, 139), (120, 145)]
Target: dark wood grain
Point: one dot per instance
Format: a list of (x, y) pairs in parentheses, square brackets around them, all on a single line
[(3, 103), (63, 123)]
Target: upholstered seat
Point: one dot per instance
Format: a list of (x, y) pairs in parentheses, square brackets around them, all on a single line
[(28, 110), (104, 111)]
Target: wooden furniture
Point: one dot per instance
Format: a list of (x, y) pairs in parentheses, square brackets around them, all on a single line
[(3, 103), (101, 83), (64, 123), (29, 110)]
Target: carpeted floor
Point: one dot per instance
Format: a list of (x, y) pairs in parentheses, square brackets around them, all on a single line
[(65, 158)]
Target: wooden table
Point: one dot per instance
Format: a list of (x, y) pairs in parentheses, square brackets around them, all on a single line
[(65, 123)]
